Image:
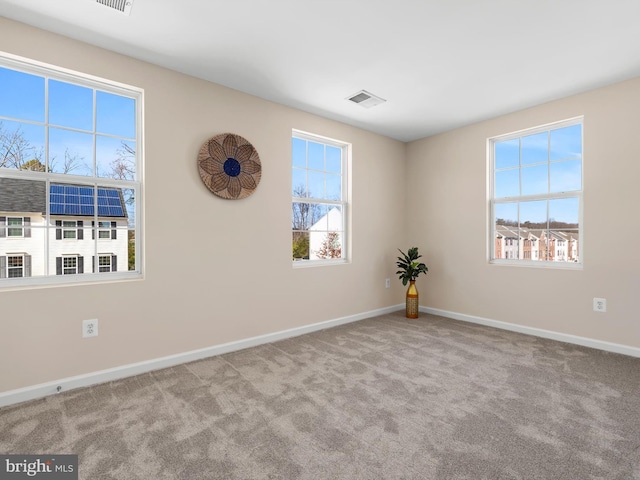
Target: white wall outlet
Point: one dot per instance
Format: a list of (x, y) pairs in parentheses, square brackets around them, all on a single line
[(387, 283), (600, 305), (90, 328)]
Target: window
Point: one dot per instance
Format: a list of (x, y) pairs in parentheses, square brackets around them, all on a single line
[(319, 198), (15, 266), (107, 263), (70, 265), (15, 227), (104, 230), (536, 191), (70, 174), (69, 229)]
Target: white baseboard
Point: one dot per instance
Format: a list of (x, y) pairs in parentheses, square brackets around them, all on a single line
[(45, 389), (538, 332)]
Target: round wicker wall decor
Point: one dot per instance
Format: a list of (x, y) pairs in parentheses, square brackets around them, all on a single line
[(229, 166)]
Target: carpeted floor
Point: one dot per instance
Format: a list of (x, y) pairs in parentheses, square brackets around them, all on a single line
[(384, 398)]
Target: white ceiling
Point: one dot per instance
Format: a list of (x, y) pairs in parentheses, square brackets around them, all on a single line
[(439, 64)]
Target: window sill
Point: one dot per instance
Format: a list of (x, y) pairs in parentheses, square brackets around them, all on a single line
[(29, 283), (318, 263), (538, 264)]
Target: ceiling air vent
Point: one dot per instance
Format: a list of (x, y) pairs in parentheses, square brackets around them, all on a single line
[(365, 99), (123, 6)]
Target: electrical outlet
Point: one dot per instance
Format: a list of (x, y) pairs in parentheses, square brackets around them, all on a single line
[(600, 305), (90, 328), (387, 283)]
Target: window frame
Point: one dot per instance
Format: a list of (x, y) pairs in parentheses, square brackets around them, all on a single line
[(65, 267), (10, 227), (10, 267), (344, 202), (104, 230), (492, 201), (70, 229), (136, 185), (101, 266)]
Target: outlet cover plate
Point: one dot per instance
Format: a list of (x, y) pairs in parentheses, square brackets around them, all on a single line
[(600, 305), (90, 328)]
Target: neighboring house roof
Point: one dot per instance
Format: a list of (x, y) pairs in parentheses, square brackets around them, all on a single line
[(331, 221), (18, 195), (503, 230)]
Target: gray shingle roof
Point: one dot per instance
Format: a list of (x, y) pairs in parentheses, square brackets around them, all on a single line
[(17, 195)]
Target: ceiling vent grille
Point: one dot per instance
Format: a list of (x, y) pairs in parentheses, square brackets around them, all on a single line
[(123, 6), (366, 99)]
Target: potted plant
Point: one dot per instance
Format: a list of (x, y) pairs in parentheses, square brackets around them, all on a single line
[(408, 270)]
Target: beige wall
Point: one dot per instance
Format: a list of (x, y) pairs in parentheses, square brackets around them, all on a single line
[(206, 284), (448, 216)]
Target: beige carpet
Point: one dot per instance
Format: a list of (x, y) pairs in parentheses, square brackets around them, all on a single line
[(384, 398)]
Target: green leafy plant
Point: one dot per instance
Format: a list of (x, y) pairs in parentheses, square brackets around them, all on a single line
[(408, 266)]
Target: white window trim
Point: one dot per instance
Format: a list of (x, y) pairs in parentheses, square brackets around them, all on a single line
[(13, 227), (66, 257), (106, 230), (344, 203), (9, 255), (73, 229), (579, 120), (35, 67), (105, 255)]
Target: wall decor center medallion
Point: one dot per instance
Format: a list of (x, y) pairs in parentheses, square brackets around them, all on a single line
[(229, 166)]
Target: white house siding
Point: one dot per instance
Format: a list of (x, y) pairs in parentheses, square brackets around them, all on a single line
[(35, 245), (87, 246)]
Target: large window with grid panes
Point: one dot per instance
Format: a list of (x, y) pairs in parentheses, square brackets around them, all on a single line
[(319, 189), (70, 176), (536, 196)]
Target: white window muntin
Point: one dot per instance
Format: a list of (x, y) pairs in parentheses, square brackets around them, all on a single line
[(48, 71), (344, 192), (493, 201)]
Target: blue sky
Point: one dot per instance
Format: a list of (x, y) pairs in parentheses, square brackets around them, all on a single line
[(70, 111), (318, 168), (560, 209), (542, 163)]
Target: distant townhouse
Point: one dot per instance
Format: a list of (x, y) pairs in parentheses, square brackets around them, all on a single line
[(77, 240), (536, 244)]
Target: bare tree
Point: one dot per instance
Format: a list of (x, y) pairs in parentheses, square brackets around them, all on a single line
[(15, 149), (304, 214), (123, 167), (71, 162)]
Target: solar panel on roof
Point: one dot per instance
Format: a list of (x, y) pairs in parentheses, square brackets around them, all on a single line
[(75, 200)]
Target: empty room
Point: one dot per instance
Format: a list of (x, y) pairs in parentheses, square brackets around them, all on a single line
[(319, 240)]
